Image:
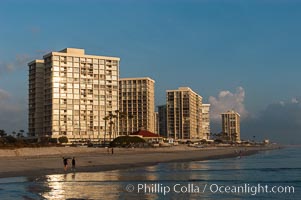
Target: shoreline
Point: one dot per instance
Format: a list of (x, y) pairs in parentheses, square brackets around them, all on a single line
[(46, 161)]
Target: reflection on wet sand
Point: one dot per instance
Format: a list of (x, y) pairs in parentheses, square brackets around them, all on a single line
[(109, 184), (81, 186)]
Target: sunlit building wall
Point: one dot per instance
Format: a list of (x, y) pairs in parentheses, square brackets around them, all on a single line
[(184, 114), (206, 120), (231, 125), (137, 103), (79, 91)]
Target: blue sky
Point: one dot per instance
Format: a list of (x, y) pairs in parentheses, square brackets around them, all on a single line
[(249, 48)]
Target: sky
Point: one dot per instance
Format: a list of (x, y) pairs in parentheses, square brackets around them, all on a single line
[(237, 54)]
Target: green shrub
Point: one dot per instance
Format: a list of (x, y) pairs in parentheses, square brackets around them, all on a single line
[(218, 141), (124, 141), (10, 139), (63, 139), (54, 140)]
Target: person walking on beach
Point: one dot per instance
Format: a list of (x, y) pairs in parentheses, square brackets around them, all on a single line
[(65, 161), (73, 164), (112, 150), (240, 154)]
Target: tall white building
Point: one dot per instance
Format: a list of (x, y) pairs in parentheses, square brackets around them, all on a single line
[(184, 114), (80, 90), (231, 125), (137, 103), (206, 121)]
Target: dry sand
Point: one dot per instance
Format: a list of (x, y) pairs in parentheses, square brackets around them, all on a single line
[(41, 161)]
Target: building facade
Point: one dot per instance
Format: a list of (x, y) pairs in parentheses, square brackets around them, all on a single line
[(79, 92), (184, 114), (206, 121), (162, 112), (231, 125), (36, 97), (137, 104)]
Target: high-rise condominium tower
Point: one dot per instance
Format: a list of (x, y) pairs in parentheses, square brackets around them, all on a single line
[(70, 94), (36, 98), (231, 125), (162, 120), (206, 120), (137, 105), (184, 114)]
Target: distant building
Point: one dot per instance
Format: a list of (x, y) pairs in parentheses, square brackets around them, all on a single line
[(266, 141), (206, 121), (137, 103), (231, 125), (156, 122), (162, 120), (70, 93), (184, 114)]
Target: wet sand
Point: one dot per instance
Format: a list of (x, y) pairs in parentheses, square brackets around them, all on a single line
[(31, 162)]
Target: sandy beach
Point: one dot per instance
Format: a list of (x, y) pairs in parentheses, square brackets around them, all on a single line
[(48, 160)]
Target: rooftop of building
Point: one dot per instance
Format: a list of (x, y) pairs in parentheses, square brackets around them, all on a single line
[(230, 112), (145, 133), (136, 78), (76, 52), (36, 61), (73, 51), (184, 89)]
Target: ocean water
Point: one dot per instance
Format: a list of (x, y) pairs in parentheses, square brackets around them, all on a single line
[(268, 175)]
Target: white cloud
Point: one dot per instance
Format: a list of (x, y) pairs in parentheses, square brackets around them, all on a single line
[(295, 100), (227, 100)]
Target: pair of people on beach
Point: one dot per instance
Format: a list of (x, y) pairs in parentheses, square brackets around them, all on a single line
[(65, 161)]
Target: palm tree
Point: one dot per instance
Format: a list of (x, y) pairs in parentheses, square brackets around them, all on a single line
[(116, 122), (2, 133), (106, 118), (111, 128), (14, 133), (20, 133), (110, 118), (127, 117)]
